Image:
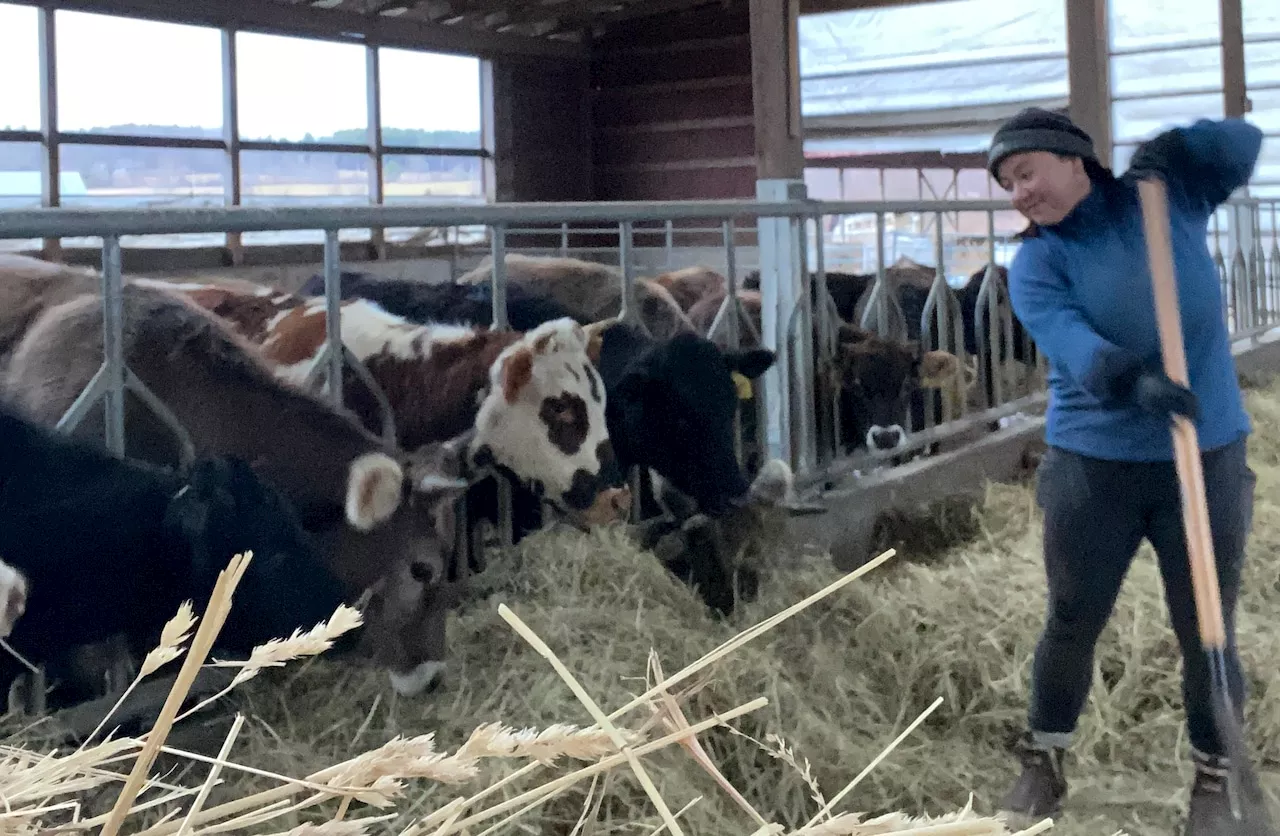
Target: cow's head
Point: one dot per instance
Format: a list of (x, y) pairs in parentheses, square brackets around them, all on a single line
[(677, 401), (395, 541), (225, 508), (876, 378), (13, 598), (543, 422)]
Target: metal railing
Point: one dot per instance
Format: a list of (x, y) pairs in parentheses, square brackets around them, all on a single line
[(786, 240)]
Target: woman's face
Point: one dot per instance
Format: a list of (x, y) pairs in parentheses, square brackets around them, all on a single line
[(1044, 186)]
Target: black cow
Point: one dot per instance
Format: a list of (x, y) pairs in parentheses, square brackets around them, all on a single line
[(671, 405), (470, 304), (109, 546)]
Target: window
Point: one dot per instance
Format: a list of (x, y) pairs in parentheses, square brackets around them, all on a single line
[(935, 78), (1262, 78), (932, 77), (20, 168), (289, 178), (429, 100), (1166, 69), (410, 178), (20, 68), (301, 90), (120, 75)]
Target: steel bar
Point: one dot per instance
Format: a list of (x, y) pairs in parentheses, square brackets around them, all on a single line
[(113, 344), (333, 314)]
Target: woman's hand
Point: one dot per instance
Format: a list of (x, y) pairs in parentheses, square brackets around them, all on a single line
[(1156, 394)]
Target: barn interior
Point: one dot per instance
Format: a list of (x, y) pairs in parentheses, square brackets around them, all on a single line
[(617, 102)]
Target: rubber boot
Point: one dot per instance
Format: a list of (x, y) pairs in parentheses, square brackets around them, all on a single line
[(1042, 786), (1210, 811)]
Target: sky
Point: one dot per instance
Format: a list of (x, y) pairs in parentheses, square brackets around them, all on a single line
[(114, 70)]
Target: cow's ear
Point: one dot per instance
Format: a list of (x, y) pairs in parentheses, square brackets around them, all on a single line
[(750, 363), (517, 371), (938, 369)]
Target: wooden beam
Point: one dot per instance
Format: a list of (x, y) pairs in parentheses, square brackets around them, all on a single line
[(1234, 90), (1089, 72), (775, 83), (810, 7), (333, 24)]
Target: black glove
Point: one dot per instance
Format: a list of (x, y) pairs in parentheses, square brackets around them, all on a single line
[(1161, 156), (1156, 394)]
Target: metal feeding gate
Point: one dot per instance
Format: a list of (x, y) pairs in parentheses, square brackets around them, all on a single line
[(790, 235)]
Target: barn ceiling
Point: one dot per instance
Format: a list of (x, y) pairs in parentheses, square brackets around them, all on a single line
[(564, 20)]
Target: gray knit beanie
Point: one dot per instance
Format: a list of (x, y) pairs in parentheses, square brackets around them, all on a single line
[(1036, 129)]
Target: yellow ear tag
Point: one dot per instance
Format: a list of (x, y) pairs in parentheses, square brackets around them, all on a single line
[(743, 385)]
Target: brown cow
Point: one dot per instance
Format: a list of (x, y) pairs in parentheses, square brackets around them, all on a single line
[(385, 523), (690, 285), (534, 399), (591, 291)]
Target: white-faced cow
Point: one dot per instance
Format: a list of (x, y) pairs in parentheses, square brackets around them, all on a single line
[(98, 546), (533, 399), (385, 524)]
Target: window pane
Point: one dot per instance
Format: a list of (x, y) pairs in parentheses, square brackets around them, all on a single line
[(310, 178), (429, 100), (1266, 110), (1261, 18), (1169, 71), (1148, 23), (1142, 119), (1267, 171), (127, 76), (19, 175), (410, 178), (116, 177), (1262, 64), (20, 68), (300, 90), (822, 183), (111, 177)]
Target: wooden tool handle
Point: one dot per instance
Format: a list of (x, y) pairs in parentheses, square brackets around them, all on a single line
[(1186, 444)]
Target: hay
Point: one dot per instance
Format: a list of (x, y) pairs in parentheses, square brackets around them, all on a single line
[(843, 679)]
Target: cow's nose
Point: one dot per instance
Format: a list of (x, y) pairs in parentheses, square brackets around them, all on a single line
[(883, 438), (621, 501)]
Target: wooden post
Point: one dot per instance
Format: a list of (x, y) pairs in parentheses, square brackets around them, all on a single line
[(1088, 72), (775, 82)]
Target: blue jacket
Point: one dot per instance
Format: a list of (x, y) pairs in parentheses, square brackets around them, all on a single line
[(1082, 289)]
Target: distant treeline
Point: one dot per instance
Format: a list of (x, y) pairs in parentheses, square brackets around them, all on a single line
[(106, 165)]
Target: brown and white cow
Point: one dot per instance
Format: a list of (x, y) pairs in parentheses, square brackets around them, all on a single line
[(385, 523), (534, 400), (591, 291)]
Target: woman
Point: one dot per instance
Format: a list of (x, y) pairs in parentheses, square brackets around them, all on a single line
[(1080, 284)]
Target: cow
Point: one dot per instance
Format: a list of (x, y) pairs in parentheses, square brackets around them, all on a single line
[(876, 377), (448, 302), (533, 397), (97, 546), (850, 293), (670, 408), (593, 292), (689, 285), (383, 521)]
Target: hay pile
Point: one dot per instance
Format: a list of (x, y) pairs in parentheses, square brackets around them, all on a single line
[(843, 678)]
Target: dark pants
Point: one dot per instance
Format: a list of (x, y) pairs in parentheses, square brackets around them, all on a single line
[(1096, 515)]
